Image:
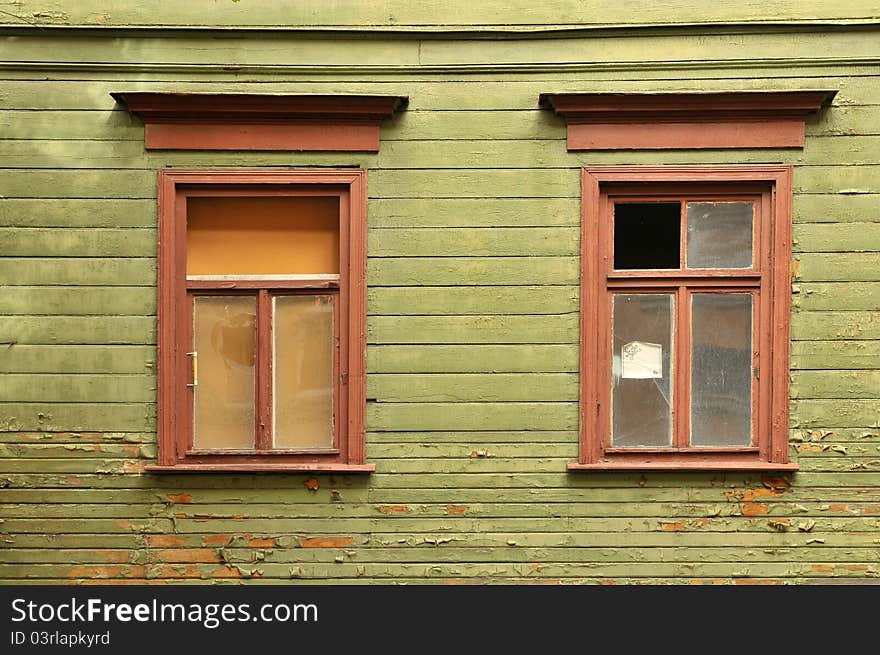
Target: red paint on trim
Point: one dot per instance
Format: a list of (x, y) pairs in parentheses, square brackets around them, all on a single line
[(190, 121), (175, 322), (644, 121)]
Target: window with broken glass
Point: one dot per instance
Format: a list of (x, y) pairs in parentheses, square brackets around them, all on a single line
[(681, 283)]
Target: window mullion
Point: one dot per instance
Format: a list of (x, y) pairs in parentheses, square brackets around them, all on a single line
[(263, 436), (681, 382)]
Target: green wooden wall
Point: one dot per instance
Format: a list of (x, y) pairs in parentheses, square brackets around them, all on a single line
[(473, 297)]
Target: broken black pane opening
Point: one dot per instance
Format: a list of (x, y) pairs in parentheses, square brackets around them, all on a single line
[(647, 235)]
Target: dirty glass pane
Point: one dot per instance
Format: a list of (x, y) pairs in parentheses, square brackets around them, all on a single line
[(641, 370), (719, 234), (721, 366), (224, 335), (303, 371), (647, 235)]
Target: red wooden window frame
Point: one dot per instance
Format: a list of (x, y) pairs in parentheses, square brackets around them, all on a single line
[(176, 293), (769, 279)]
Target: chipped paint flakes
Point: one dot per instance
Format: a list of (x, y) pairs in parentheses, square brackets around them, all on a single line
[(393, 509), (163, 541), (326, 542), (780, 525)]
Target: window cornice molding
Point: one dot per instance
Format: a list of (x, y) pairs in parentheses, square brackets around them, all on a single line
[(636, 121), (196, 121)]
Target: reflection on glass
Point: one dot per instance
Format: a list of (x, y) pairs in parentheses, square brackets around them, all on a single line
[(719, 234), (641, 370), (303, 367), (224, 335), (721, 364)]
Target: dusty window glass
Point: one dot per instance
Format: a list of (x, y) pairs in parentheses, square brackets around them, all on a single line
[(303, 372), (641, 399), (721, 369), (719, 234), (224, 336)]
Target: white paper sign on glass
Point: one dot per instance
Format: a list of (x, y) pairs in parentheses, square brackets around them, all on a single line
[(641, 360)]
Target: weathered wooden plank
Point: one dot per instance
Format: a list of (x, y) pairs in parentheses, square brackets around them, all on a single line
[(836, 237), (473, 212), (424, 13), (22, 358), (441, 271), (74, 271), (436, 526), (71, 213), (471, 300), (72, 541), (852, 500), (257, 510), (73, 242), (833, 413), (846, 178), (647, 48), (823, 326), (474, 242), (472, 329), (836, 384), (472, 416), (495, 183), (835, 354), (93, 438), (47, 330), (85, 183), (55, 387), (112, 417), (837, 296), (188, 49), (336, 573), (448, 554), (492, 387), (78, 300), (543, 358), (82, 153), (842, 208), (837, 267), (54, 124)]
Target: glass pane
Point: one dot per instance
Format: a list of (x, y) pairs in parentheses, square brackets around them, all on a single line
[(224, 335), (721, 369), (262, 235), (303, 368), (647, 235), (719, 234), (641, 370)]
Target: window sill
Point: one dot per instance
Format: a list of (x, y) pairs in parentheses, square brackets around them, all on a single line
[(243, 467), (680, 465)]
